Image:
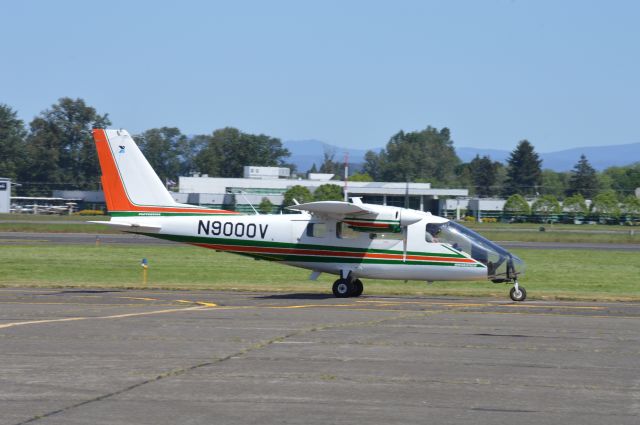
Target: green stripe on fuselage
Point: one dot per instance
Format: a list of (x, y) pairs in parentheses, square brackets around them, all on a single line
[(269, 244)]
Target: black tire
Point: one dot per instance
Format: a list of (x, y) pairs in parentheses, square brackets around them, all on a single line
[(522, 296), (358, 288), (342, 288)]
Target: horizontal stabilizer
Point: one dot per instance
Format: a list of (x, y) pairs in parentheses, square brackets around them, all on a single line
[(130, 226)]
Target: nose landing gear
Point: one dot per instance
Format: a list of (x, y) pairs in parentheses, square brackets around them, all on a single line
[(517, 293)]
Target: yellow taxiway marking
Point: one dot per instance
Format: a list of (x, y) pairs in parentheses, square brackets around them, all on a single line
[(202, 303), (140, 298), (115, 316)]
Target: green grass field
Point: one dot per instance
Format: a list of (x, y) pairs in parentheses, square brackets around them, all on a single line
[(551, 274)]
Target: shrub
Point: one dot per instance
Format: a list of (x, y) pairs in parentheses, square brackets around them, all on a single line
[(516, 205), (90, 212), (299, 193), (266, 206)]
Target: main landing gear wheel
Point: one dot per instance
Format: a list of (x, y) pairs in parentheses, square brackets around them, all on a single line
[(342, 288), (358, 287), (518, 293)]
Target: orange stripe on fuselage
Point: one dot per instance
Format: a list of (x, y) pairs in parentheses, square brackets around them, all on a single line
[(115, 194)]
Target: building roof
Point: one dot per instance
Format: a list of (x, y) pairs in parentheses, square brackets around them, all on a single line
[(223, 185)]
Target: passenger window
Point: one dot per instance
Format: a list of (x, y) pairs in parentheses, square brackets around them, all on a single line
[(343, 231), (316, 230)]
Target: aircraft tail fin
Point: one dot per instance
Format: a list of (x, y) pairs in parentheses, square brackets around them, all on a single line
[(131, 186)]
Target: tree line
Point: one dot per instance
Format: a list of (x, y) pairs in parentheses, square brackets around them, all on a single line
[(55, 151)]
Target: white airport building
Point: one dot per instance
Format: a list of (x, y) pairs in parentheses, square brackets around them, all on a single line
[(240, 193), (5, 195)]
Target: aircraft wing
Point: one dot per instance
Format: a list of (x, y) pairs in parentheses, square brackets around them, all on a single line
[(129, 226), (333, 208)]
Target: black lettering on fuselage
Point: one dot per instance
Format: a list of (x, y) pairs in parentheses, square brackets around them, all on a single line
[(217, 228), (203, 228)]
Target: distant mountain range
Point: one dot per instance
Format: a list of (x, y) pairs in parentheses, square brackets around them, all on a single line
[(304, 153)]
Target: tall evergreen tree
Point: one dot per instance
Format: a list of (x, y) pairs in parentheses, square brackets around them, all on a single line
[(484, 173), (524, 174), (12, 134), (583, 180)]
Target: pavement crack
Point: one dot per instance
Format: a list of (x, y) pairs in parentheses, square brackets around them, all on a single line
[(254, 347)]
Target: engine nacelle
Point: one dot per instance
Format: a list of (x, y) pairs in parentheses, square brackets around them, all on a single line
[(389, 221)]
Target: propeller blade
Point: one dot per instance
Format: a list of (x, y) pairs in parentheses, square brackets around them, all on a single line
[(404, 244)]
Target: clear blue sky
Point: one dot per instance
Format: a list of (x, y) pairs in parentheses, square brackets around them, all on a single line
[(559, 73)]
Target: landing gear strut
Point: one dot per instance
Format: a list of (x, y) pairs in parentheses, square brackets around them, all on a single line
[(343, 288), (517, 293)]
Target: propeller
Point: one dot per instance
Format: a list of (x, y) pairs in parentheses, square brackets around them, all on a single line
[(408, 217)]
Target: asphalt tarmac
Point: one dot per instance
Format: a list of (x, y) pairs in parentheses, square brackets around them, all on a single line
[(168, 357), (12, 238)]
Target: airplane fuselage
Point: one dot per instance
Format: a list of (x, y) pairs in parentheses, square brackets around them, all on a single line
[(294, 239)]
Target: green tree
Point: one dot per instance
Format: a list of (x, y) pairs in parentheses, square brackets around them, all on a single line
[(328, 192), (623, 180), (299, 193), (516, 205), (631, 207), (313, 169), (575, 205), (484, 173), (545, 206), (584, 179), (554, 183), (229, 150), (60, 150), (524, 174), (330, 166), (464, 178), (266, 206), (12, 135), (606, 205), (426, 155), (360, 177), (163, 148)]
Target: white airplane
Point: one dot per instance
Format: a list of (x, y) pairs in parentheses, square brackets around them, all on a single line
[(353, 240)]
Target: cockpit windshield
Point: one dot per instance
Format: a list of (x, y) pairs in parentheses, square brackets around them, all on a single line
[(501, 264)]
